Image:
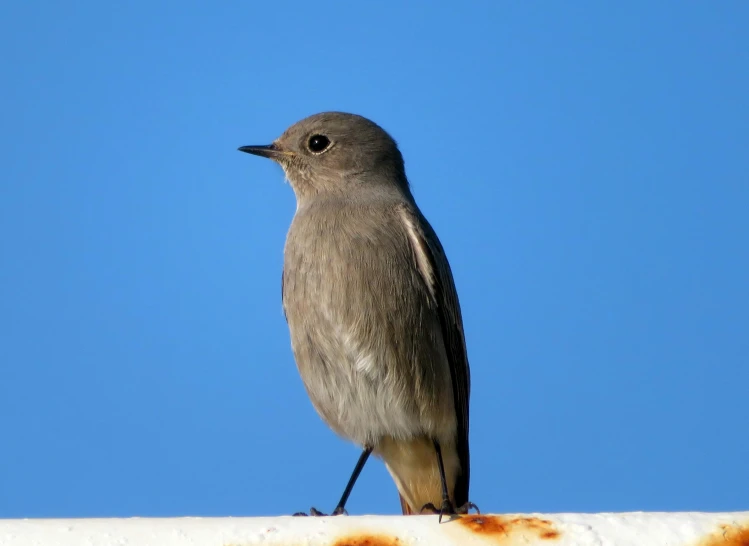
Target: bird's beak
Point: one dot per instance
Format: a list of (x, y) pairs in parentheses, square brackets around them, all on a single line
[(271, 151)]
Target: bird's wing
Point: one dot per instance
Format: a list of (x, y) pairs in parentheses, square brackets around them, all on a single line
[(283, 303), (432, 263)]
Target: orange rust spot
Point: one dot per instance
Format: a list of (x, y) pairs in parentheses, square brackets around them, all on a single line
[(728, 535), (505, 527), (368, 540)]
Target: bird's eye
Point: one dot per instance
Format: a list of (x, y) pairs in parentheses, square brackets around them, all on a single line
[(318, 143)]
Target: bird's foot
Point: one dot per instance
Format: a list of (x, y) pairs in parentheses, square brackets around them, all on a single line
[(429, 506), (339, 511), (312, 512), (446, 509), (466, 507)]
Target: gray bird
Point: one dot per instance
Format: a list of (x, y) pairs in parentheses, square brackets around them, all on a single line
[(372, 309)]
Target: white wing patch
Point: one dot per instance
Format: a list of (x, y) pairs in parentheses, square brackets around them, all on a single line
[(343, 343), (357, 355), (418, 244)]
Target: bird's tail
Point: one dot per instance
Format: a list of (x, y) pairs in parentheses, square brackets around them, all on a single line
[(405, 507)]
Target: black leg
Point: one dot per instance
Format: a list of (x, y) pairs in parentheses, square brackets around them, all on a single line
[(447, 506), (352, 480)]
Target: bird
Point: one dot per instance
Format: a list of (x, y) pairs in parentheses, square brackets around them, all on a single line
[(373, 313)]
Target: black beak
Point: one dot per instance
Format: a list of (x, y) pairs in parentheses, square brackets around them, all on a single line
[(263, 151)]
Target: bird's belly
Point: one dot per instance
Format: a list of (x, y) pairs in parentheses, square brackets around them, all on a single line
[(352, 387), (365, 334)]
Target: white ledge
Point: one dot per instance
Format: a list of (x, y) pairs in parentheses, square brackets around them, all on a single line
[(626, 529)]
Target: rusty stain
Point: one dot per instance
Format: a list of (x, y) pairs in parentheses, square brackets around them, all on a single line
[(368, 540), (502, 527), (728, 535)]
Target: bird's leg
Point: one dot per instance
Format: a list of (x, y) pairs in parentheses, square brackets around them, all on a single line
[(352, 480), (447, 506), (340, 509)]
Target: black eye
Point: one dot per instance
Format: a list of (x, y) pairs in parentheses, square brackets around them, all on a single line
[(318, 143)]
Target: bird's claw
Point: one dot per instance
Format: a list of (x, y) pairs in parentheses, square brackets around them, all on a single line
[(339, 511), (429, 506), (467, 506), (447, 509), (312, 512)]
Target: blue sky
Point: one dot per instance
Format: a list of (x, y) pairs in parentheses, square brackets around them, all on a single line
[(585, 164)]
